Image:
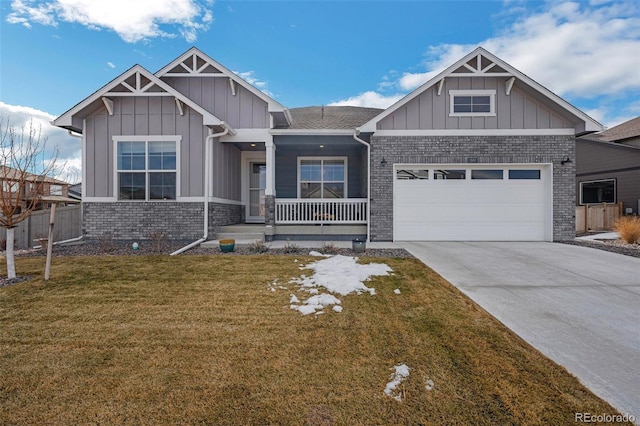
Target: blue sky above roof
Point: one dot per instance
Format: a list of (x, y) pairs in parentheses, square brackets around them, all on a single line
[(302, 53)]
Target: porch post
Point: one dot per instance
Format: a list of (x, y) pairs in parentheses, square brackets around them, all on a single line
[(270, 185), (270, 190)]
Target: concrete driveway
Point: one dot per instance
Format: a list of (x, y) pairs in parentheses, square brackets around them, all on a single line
[(578, 306)]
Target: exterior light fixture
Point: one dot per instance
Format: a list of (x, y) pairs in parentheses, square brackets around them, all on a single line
[(566, 160), (321, 146), (384, 161)]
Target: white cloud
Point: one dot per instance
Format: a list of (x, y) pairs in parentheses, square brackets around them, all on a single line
[(133, 21), (259, 84), (369, 99), (111, 65), (69, 148)]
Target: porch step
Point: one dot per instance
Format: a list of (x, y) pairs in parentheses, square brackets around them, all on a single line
[(240, 236), (244, 234)]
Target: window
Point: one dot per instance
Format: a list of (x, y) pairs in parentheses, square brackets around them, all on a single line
[(55, 189), (472, 102), (412, 174), (147, 168), (598, 191), (524, 174), (322, 178), (486, 174), (450, 174)]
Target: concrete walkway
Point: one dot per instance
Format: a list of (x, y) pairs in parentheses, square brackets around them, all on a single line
[(578, 306)]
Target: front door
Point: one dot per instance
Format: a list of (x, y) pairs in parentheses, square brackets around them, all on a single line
[(257, 184)]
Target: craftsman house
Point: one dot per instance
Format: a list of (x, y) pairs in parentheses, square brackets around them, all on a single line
[(479, 152)]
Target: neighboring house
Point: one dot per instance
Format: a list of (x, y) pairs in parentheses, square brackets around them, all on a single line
[(35, 189), (608, 167), (476, 153)]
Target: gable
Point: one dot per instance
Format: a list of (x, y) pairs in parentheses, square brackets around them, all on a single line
[(519, 109), (222, 92), (517, 102), (134, 83)]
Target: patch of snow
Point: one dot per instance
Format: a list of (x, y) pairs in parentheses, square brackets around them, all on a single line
[(305, 309), (601, 236), (342, 275), (318, 254), (272, 289), (396, 291), (428, 384), (401, 373), (337, 274)]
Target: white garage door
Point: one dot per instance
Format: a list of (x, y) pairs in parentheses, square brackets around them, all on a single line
[(472, 203)]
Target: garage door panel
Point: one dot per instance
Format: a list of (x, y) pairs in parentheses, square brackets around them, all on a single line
[(471, 210), (474, 232)]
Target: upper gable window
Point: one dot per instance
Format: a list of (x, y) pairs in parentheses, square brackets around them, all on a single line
[(472, 103)]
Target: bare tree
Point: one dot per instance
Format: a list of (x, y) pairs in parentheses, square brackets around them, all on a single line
[(25, 173)]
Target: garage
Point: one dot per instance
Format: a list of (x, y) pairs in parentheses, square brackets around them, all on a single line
[(464, 202)]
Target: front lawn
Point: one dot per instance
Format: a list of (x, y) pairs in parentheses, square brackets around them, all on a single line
[(213, 340)]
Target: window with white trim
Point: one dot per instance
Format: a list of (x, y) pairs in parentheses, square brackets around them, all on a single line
[(147, 168), (598, 191), (472, 103), (322, 177)]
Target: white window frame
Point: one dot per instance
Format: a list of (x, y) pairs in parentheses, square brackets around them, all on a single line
[(492, 102), (330, 158), (146, 138), (615, 189)]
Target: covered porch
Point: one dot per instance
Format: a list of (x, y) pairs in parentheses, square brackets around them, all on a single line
[(306, 185)]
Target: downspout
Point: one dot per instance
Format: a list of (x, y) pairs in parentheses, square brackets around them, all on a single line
[(207, 173), (365, 143)]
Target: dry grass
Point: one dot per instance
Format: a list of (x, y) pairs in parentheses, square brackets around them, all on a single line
[(203, 340), (629, 229)]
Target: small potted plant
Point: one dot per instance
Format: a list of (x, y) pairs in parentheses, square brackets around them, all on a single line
[(227, 246), (359, 245)]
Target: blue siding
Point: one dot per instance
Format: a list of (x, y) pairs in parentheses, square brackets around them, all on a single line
[(309, 146)]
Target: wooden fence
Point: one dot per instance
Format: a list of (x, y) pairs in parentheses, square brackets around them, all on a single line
[(68, 225), (597, 217)]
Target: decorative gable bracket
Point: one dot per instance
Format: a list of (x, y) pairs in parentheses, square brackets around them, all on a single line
[(480, 66), (137, 84)]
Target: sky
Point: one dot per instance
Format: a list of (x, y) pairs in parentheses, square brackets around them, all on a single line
[(55, 53)]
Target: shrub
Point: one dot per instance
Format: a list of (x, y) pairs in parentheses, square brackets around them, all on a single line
[(159, 241), (329, 248), (629, 228), (106, 243), (291, 248), (258, 247)]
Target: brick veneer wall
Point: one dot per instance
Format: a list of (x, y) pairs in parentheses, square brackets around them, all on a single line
[(484, 150), (136, 221)]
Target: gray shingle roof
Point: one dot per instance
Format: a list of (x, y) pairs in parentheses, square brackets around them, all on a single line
[(626, 130), (331, 117)]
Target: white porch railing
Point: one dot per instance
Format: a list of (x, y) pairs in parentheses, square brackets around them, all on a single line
[(312, 211)]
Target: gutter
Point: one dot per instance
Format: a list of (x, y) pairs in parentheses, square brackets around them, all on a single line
[(365, 143), (207, 173)]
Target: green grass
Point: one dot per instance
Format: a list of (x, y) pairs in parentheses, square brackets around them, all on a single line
[(203, 340)]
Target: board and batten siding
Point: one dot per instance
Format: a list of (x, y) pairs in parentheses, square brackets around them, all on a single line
[(142, 116), (522, 109), (244, 110)]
